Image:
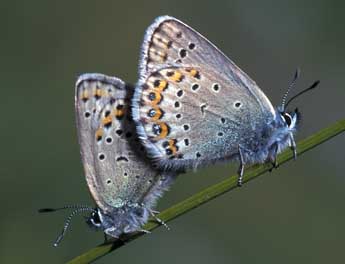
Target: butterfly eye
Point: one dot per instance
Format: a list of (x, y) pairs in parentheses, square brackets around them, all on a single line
[(95, 219), (287, 118)]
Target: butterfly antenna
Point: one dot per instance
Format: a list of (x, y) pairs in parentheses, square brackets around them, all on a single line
[(49, 210), (292, 84), (311, 87), (68, 221), (77, 209)]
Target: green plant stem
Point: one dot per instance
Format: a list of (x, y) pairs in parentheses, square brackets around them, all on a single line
[(212, 192)]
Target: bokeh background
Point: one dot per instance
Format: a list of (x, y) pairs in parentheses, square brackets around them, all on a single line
[(293, 215)]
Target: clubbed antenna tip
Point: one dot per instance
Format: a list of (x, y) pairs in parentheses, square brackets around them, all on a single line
[(311, 87), (46, 210)]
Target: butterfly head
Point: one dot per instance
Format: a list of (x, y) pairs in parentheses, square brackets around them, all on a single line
[(126, 219), (95, 220), (292, 118)]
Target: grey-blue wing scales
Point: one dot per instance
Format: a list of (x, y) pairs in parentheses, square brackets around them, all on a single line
[(192, 104), (115, 166)]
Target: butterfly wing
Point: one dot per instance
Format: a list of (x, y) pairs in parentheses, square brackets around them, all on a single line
[(115, 167), (192, 104)]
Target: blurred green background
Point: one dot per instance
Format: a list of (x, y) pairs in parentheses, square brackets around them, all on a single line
[(293, 215)]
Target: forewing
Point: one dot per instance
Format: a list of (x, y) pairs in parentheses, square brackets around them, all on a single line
[(116, 169), (192, 104)]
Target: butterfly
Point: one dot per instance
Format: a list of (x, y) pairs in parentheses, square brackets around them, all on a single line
[(193, 106), (122, 182)]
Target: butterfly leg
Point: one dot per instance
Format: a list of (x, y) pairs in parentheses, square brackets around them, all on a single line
[(105, 238), (240, 171), (144, 231), (108, 239), (273, 157), (160, 221), (293, 147)]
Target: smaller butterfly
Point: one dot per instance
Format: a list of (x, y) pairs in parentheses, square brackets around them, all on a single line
[(124, 185), (193, 106)]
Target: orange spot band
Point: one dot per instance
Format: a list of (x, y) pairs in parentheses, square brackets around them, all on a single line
[(119, 112), (107, 120), (85, 95), (158, 114), (162, 85), (172, 146), (155, 97), (99, 134), (164, 130), (176, 77)]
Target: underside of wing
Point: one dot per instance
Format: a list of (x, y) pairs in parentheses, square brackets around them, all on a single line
[(116, 169), (170, 42), (191, 102)]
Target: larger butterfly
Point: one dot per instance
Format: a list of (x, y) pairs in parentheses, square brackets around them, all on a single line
[(193, 106)]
